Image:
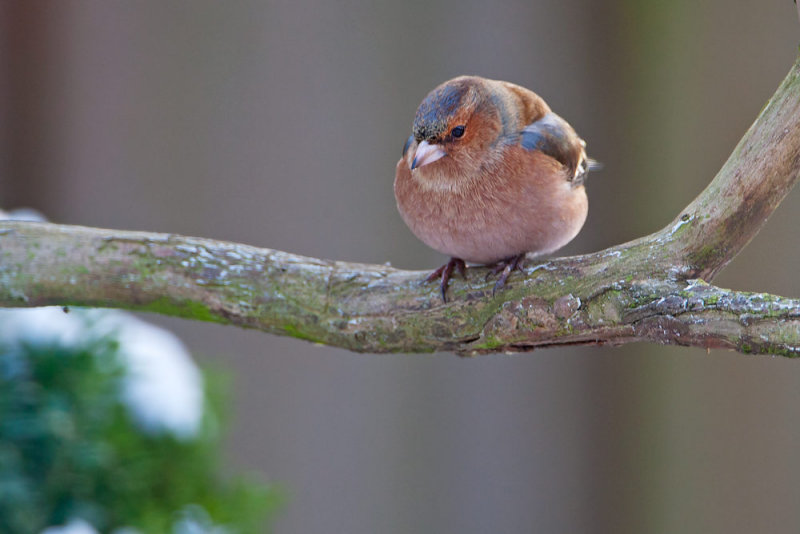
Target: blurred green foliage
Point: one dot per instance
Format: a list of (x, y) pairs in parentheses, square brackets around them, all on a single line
[(69, 448)]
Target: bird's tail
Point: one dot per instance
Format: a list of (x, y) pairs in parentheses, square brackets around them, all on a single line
[(587, 164), (593, 165)]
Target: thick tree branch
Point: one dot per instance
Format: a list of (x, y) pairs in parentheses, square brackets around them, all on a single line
[(645, 290)]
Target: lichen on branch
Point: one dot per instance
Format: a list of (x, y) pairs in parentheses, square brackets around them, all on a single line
[(651, 289)]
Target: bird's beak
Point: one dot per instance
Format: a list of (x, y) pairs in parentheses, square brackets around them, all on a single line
[(426, 153)]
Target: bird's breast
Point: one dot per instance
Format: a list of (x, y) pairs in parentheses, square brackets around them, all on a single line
[(504, 209)]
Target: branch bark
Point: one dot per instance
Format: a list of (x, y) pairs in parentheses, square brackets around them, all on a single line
[(650, 289)]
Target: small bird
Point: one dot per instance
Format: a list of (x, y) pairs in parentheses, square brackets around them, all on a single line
[(489, 174)]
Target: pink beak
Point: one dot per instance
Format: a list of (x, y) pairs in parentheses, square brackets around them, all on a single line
[(426, 153)]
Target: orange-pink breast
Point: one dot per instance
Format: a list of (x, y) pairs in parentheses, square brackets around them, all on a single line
[(523, 202)]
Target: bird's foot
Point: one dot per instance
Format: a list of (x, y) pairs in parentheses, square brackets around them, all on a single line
[(505, 268), (445, 271)]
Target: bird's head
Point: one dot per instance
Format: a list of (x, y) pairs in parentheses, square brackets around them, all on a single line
[(454, 124)]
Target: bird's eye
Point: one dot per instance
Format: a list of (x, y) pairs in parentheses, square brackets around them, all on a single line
[(457, 132)]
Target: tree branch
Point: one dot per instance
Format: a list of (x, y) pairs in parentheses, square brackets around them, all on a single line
[(644, 290)]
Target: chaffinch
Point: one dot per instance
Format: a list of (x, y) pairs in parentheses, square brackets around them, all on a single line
[(489, 174)]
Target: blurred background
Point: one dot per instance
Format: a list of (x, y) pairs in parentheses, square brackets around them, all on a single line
[(278, 124)]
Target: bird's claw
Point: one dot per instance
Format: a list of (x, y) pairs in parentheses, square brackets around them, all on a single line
[(445, 271), (505, 268)]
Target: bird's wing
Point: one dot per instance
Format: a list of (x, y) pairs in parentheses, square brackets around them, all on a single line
[(554, 137)]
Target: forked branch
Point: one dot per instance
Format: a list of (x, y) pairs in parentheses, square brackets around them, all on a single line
[(650, 289)]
